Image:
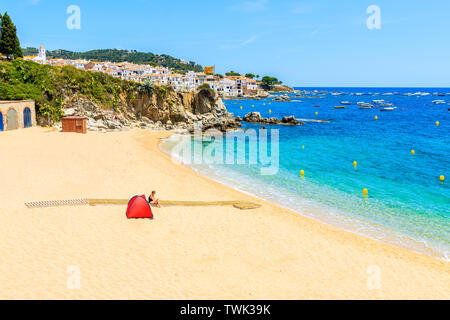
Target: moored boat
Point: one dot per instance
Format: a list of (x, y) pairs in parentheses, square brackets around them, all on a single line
[(388, 108), (364, 105)]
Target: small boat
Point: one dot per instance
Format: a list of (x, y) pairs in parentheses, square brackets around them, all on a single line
[(346, 103), (439, 101), (317, 106), (378, 101), (339, 107), (388, 108), (364, 105)]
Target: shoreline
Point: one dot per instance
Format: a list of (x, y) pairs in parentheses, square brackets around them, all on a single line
[(337, 220), (185, 253)]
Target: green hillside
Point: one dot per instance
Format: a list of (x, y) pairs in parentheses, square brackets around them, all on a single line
[(50, 86)]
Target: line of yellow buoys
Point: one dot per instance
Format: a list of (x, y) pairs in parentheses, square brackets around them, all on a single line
[(355, 163)]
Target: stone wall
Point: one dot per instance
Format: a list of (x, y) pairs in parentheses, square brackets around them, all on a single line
[(19, 107)]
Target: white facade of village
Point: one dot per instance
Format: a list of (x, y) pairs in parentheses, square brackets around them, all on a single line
[(226, 86)]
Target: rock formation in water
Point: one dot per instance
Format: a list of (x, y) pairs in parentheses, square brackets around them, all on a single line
[(255, 117)]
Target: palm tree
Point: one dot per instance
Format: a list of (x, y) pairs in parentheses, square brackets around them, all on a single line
[(146, 87)]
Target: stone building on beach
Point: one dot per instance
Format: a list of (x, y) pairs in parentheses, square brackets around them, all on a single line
[(17, 114)]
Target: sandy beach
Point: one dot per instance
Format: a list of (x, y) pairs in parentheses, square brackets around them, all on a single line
[(185, 252)]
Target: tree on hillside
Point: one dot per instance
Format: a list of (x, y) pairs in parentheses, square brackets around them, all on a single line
[(250, 75), (9, 42), (146, 87), (232, 74), (269, 82)]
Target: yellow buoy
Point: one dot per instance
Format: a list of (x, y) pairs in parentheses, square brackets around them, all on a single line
[(437, 123), (413, 152), (270, 111), (302, 173), (442, 178), (365, 192), (264, 104), (253, 105), (317, 113), (355, 163), (242, 108), (376, 117), (270, 102), (303, 147)]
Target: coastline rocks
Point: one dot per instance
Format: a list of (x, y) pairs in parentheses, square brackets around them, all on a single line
[(291, 120), (255, 117), (282, 98), (69, 112)]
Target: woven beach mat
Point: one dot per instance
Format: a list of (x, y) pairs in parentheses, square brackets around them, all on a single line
[(242, 205), (56, 203)]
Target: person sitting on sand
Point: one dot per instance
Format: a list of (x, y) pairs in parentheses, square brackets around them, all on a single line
[(153, 201)]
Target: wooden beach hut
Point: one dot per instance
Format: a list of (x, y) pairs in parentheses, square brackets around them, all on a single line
[(74, 124)]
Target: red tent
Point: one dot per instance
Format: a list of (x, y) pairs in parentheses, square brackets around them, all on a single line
[(139, 208)]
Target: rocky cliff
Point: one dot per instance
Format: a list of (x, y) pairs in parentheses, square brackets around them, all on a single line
[(162, 109)]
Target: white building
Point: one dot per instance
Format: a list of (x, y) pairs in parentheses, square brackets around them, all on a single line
[(227, 87), (40, 58)]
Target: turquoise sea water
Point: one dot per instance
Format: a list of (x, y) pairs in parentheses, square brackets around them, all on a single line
[(407, 206)]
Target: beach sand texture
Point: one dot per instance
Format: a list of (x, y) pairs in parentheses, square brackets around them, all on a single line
[(185, 252)]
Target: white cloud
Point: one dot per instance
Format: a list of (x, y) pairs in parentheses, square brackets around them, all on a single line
[(239, 43), (250, 40)]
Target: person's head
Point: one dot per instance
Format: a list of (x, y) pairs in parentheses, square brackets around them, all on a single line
[(153, 193)]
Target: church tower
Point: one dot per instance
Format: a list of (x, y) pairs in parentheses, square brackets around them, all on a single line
[(42, 56)]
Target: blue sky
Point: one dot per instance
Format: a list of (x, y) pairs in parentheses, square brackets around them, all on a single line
[(303, 43)]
